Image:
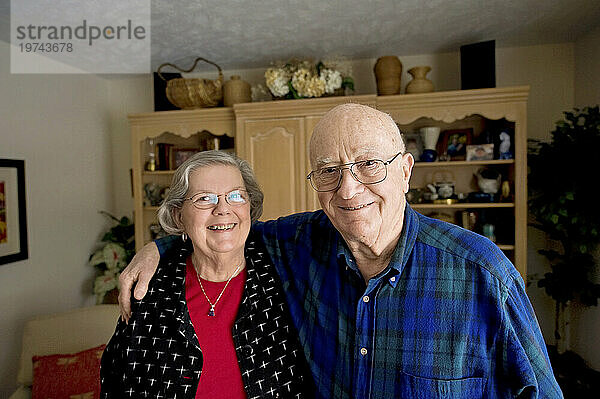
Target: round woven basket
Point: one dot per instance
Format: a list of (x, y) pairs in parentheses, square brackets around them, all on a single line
[(194, 93)]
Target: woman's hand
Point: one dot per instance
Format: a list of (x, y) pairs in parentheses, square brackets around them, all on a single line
[(141, 269)]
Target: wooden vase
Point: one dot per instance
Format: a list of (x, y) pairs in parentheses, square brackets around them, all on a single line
[(236, 91), (419, 83), (388, 73)]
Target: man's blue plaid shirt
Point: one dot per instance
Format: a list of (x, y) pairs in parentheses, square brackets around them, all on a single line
[(448, 318)]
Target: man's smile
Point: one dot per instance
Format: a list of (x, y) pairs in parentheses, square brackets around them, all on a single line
[(355, 208)]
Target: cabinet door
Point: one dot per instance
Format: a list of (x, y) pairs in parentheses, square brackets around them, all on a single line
[(312, 201), (276, 149)]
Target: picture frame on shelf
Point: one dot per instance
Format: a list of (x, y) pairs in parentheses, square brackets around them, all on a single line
[(453, 143), (13, 216), (480, 152), (180, 155)]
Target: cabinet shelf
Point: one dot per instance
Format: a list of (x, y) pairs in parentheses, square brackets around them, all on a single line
[(443, 164), (506, 247), (158, 173)]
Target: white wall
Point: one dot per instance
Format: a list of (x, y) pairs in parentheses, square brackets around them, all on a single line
[(58, 125), (549, 70), (586, 322), (587, 69), (127, 96)]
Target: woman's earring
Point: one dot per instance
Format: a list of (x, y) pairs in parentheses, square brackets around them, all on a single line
[(184, 237)]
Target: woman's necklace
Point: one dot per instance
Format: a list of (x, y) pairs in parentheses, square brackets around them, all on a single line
[(211, 312)]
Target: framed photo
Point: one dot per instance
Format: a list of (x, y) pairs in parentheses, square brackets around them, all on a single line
[(480, 152), (180, 155), (13, 219), (414, 144), (453, 143)]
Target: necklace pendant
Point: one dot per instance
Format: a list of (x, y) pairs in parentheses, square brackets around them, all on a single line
[(211, 312)]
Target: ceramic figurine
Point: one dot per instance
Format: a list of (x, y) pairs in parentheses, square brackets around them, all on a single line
[(504, 150), (488, 231), (488, 180)]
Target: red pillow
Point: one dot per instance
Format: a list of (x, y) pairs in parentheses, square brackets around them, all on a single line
[(67, 376)]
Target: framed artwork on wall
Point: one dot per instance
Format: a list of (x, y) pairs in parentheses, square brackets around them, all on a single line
[(13, 219)]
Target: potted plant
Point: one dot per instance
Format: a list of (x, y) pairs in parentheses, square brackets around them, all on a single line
[(116, 251), (564, 204)]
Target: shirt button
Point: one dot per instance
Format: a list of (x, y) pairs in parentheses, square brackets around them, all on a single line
[(365, 299), (393, 279), (363, 351)]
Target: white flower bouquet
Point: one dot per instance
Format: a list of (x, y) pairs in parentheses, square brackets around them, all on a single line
[(304, 79)]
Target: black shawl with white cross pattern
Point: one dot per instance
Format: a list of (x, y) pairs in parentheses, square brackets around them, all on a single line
[(157, 355)]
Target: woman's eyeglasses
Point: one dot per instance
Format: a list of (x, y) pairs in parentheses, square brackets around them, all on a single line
[(211, 200)]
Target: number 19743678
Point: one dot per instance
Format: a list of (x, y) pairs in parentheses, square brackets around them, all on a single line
[(46, 47)]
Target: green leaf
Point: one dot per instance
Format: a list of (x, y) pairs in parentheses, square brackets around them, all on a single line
[(293, 91), (562, 204), (348, 83), (114, 256)]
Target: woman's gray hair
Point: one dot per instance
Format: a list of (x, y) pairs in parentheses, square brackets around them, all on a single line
[(181, 183)]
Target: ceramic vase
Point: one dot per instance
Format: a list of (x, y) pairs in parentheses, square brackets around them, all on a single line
[(236, 91), (388, 73), (430, 135), (419, 83)]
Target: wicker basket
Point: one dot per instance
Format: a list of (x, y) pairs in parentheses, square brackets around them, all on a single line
[(194, 93)]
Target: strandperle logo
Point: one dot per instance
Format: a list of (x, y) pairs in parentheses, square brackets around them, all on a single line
[(66, 36), (85, 31)]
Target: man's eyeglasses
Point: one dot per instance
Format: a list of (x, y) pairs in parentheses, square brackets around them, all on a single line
[(210, 200), (370, 171)]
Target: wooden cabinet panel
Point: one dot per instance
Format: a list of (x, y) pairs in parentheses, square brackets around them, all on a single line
[(271, 146)]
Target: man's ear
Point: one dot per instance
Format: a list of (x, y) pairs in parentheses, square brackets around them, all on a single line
[(407, 164)]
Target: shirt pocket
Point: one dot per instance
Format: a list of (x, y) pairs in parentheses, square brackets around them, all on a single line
[(418, 387)]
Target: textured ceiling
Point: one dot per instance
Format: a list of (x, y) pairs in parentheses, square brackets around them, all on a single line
[(246, 34), (238, 34)]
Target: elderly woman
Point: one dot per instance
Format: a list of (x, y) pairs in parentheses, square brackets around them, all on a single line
[(214, 323)]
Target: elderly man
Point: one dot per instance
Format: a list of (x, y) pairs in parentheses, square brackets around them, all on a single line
[(388, 302)]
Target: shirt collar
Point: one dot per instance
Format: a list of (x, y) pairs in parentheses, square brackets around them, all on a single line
[(400, 256)]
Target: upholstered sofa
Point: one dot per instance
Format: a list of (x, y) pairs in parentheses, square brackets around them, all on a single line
[(63, 333)]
